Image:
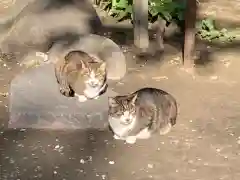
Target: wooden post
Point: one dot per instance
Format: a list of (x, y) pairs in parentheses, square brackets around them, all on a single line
[(140, 24), (189, 37)]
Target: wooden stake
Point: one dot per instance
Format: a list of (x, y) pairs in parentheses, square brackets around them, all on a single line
[(189, 37), (140, 23)]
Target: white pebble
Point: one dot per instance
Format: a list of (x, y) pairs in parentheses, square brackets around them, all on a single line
[(238, 141), (82, 161), (22, 130), (218, 150), (56, 147), (103, 176), (111, 162), (150, 166)]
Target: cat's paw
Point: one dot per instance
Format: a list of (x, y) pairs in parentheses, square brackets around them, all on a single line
[(131, 139), (166, 129), (96, 97), (144, 134), (65, 91), (81, 98), (43, 56), (116, 137)]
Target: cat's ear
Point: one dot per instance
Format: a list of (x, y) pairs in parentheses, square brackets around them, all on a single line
[(134, 99), (112, 101), (84, 64), (102, 67)]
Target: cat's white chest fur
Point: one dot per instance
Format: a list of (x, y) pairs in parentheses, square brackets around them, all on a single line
[(144, 134), (82, 98), (121, 129)]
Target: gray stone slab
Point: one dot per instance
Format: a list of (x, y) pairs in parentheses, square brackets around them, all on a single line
[(35, 102)]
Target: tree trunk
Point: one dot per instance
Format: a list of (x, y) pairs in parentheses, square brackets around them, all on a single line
[(189, 37)]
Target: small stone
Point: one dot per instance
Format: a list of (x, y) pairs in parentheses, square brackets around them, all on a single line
[(214, 77), (150, 166), (218, 150), (57, 146), (103, 176), (22, 130), (82, 161), (90, 158), (111, 162), (238, 141)]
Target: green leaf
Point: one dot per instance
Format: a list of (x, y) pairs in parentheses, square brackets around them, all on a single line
[(121, 15), (208, 24), (129, 9), (119, 4), (153, 11), (166, 15)]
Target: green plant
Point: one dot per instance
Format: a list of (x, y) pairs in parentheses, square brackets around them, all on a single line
[(168, 10), (207, 30)]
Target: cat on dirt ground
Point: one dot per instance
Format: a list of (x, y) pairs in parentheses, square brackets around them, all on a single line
[(141, 114), (79, 74)]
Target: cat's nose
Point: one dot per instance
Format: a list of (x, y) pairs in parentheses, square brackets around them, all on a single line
[(93, 84)]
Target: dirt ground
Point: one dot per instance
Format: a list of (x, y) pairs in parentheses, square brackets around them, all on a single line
[(204, 144)]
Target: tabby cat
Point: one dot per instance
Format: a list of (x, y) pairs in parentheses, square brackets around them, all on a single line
[(141, 114), (79, 74)]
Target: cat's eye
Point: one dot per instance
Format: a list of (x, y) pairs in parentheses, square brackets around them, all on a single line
[(119, 113), (126, 121)]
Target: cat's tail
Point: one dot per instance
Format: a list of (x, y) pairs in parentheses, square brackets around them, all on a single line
[(172, 118), (173, 112)]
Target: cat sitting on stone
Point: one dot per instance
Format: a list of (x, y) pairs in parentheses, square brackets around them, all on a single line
[(79, 74), (141, 114)]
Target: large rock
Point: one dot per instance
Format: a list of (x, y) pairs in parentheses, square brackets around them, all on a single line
[(35, 102)]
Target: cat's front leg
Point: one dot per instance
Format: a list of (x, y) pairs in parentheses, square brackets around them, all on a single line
[(81, 98), (166, 129), (144, 134), (66, 91), (131, 139), (44, 56), (96, 97), (116, 137)]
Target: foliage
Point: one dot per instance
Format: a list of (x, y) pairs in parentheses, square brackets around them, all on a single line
[(208, 31), (169, 10)]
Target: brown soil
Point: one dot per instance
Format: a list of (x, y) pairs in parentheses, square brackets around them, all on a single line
[(204, 144)]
